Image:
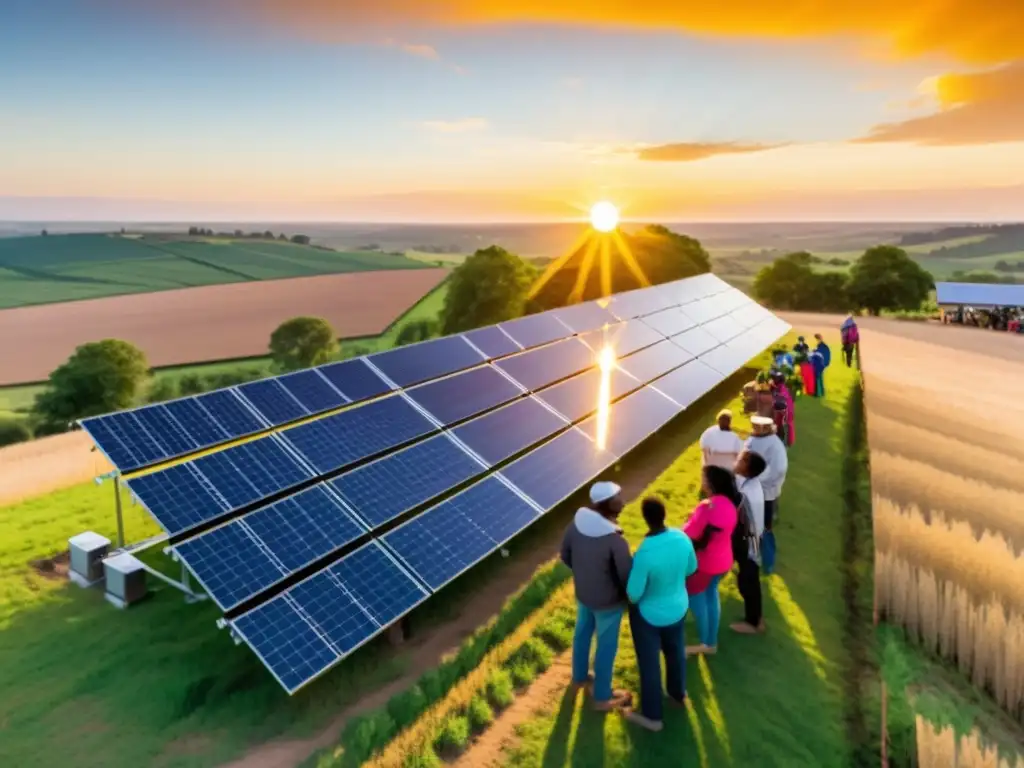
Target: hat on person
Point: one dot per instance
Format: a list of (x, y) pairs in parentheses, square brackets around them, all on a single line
[(761, 421), (725, 413), (603, 491)]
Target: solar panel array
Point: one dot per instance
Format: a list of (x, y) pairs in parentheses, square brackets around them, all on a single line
[(360, 488)]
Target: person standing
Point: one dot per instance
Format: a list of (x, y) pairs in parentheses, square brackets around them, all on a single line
[(710, 528), (598, 555), (817, 363), (825, 352), (801, 355), (747, 547), (851, 340), (658, 603), (766, 444), (719, 445)]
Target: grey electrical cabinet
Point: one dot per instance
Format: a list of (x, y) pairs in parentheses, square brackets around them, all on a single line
[(87, 551), (126, 580)]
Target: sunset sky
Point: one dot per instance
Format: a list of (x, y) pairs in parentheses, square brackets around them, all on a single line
[(465, 110)]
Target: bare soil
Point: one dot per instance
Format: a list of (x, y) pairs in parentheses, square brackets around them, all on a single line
[(55, 567), (48, 464), (217, 322)]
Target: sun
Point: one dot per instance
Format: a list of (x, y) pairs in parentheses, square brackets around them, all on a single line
[(604, 217)]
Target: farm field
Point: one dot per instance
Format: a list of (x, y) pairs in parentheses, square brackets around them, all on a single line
[(943, 427), (179, 693), (58, 268), (209, 323)]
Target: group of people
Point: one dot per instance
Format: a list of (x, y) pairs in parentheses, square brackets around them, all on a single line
[(674, 571)]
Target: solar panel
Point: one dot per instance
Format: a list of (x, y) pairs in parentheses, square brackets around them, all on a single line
[(540, 367), (496, 509), (492, 341), (331, 609), (979, 295), (375, 581), (235, 416), (534, 330), (246, 473), (648, 364), (465, 394), (272, 401), (315, 393), (585, 317), (638, 303), (725, 359), (427, 360), (581, 395), (354, 379), (633, 419), (724, 328), (624, 338), (124, 440), (705, 310), (178, 497), (170, 435), (201, 426), (508, 430), (558, 468), (335, 441), (696, 341), (382, 490), (670, 321), (688, 384)]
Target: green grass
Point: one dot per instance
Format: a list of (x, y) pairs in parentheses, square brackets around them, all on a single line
[(777, 700), (58, 268)]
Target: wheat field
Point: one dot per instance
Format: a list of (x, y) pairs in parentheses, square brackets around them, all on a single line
[(942, 749), (948, 507)]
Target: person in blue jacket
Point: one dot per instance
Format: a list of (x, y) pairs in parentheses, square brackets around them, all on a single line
[(820, 359)]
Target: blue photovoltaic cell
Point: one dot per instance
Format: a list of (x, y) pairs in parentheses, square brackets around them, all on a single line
[(124, 440), (376, 583), (465, 394), (633, 419), (178, 497), (427, 360), (252, 471), (534, 330), (382, 490), (670, 321), (166, 431), (540, 367), (585, 317), (558, 468), (648, 364), (230, 564), (313, 391), (197, 422), (724, 328), (439, 544), (354, 379), (231, 413), (688, 384), (492, 341), (624, 338), (333, 611), (286, 643), (580, 396), (272, 401), (508, 430), (496, 509), (335, 441), (696, 341), (302, 528)]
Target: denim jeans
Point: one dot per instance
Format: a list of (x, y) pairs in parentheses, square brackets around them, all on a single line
[(650, 643), (707, 611), (606, 624)]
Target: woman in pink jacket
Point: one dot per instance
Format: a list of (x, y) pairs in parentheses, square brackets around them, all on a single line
[(710, 527)]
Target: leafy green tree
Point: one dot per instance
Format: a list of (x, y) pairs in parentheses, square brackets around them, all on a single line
[(99, 377), (885, 277), (14, 431), (415, 331), (488, 287), (162, 389), (791, 283), (303, 342)]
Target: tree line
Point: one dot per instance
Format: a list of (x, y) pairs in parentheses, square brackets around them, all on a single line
[(239, 234)]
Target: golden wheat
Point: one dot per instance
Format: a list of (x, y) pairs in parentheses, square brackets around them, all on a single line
[(931, 490), (946, 453), (940, 748)]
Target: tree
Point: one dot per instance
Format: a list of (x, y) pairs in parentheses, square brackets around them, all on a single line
[(488, 287), (303, 342), (300, 239), (415, 331), (885, 277), (99, 377), (660, 255), (791, 283)]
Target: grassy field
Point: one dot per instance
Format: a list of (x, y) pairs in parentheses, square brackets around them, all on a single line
[(58, 268)]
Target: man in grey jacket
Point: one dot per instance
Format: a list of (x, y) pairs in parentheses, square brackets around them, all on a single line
[(767, 444), (598, 554)]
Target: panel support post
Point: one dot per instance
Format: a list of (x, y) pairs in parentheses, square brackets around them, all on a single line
[(117, 507), (398, 632)]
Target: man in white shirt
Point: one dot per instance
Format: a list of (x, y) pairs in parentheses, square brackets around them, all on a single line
[(769, 447), (719, 445), (749, 468)]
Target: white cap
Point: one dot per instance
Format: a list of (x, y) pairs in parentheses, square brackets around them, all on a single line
[(603, 491), (761, 421)]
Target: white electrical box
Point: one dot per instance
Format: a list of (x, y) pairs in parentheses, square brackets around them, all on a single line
[(126, 580), (87, 551)]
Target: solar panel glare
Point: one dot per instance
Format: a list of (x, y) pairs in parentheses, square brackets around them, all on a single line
[(539, 367), (534, 330), (648, 364)]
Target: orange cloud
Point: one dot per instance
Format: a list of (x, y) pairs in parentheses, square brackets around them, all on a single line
[(691, 152), (977, 31), (978, 108)]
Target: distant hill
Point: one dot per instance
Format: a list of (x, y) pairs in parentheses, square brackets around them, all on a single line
[(46, 269)]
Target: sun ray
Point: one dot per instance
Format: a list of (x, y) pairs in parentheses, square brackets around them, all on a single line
[(630, 260), (553, 268), (584, 272), (605, 362), (606, 266)]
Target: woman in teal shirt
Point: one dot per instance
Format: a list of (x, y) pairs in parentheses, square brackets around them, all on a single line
[(658, 603)]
